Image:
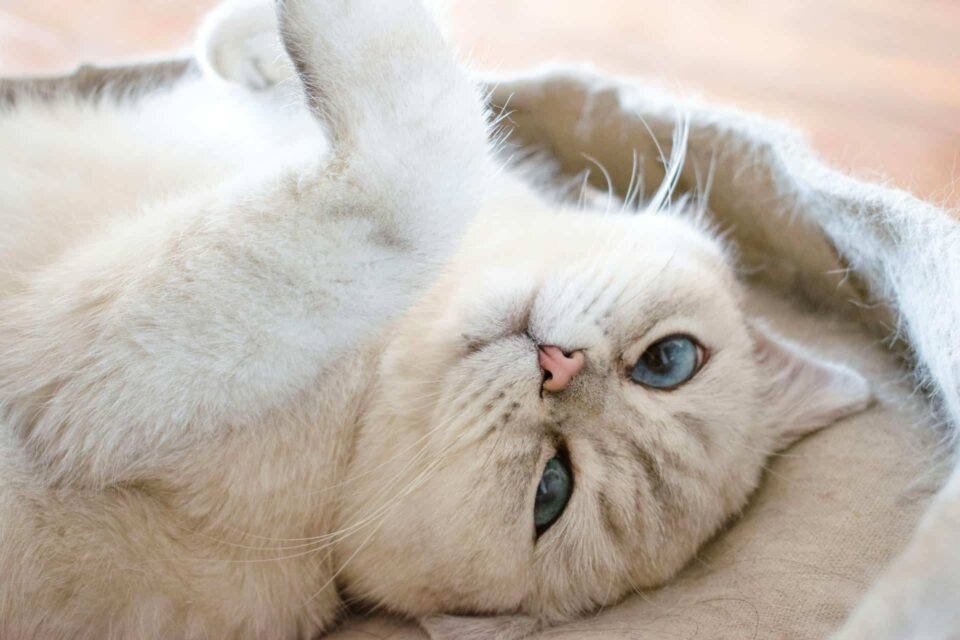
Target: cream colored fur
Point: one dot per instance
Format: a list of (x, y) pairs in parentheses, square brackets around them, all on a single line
[(872, 253), (247, 376)]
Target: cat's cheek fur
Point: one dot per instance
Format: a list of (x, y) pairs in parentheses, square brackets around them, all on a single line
[(803, 392)]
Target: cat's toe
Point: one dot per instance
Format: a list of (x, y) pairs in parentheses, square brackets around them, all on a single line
[(258, 63), (240, 42)]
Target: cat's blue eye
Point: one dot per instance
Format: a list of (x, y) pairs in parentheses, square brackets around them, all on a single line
[(668, 363), (553, 493)]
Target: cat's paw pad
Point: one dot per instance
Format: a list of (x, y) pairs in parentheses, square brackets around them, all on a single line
[(258, 62)]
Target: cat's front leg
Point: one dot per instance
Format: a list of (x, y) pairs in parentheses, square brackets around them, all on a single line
[(200, 316)]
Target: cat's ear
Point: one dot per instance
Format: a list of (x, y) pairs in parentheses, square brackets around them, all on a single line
[(803, 391), (479, 628)]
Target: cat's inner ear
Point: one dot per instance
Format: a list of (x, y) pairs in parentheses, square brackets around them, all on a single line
[(514, 627), (803, 391)]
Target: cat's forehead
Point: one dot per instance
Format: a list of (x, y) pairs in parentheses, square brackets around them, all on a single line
[(575, 241), (582, 278)]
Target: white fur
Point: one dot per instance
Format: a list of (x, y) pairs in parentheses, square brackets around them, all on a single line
[(867, 251), (176, 272), (176, 279), (236, 382), (240, 41)]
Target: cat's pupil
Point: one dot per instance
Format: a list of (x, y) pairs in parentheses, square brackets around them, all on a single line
[(661, 357)]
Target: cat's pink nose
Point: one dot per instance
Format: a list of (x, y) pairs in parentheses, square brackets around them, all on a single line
[(558, 367)]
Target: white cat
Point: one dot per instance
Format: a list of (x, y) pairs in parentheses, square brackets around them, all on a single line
[(257, 363)]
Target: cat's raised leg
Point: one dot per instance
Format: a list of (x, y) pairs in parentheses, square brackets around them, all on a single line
[(132, 351)]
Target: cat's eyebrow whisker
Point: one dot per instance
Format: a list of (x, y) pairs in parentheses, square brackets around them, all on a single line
[(504, 111), (635, 185), (706, 189), (584, 185), (639, 591), (606, 176), (673, 166)]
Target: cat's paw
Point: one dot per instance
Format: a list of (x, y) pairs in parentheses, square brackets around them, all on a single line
[(358, 31), (240, 42)]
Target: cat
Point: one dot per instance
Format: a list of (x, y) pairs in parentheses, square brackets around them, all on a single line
[(263, 359)]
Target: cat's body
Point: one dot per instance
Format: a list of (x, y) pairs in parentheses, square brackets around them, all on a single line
[(237, 559), (224, 409), (183, 563)]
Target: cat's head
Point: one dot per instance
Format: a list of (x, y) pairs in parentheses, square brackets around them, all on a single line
[(480, 488)]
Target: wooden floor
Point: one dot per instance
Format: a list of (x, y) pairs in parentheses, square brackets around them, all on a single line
[(876, 83)]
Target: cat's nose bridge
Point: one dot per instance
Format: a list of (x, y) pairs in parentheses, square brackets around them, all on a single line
[(559, 368)]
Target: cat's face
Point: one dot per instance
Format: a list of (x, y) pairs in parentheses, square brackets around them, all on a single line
[(643, 469)]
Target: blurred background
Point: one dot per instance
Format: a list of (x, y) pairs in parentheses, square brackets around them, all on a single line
[(875, 83)]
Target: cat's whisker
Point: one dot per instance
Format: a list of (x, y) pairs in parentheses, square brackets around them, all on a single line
[(417, 480), (634, 188), (412, 486), (321, 543), (584, 185), (334, 535), (606, 176)]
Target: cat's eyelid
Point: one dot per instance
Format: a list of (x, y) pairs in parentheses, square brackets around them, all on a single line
[(553, 444), (548, 449)]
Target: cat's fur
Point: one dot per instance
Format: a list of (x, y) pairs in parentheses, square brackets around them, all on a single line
[(245, 375)]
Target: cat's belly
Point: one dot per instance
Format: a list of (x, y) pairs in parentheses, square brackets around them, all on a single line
[(69, 167), (124, 564), (219, 552)]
